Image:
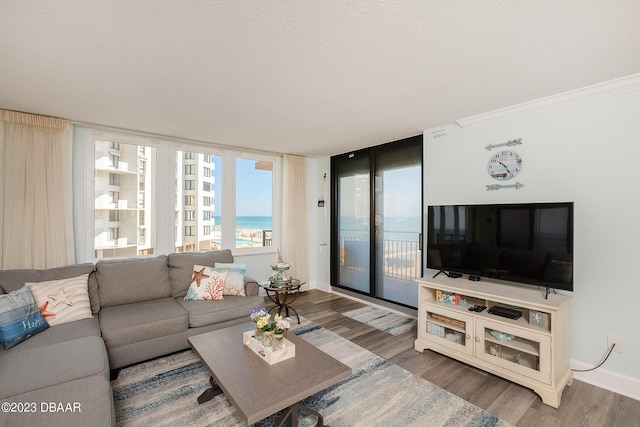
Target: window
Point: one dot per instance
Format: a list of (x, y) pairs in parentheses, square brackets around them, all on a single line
[(229, 196), (198, 178), (123, 197), (254, 199)]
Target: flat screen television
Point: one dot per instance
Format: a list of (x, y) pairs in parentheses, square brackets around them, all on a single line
[(528, 243)]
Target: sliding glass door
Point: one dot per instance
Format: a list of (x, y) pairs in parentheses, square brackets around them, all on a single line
[(398, 224), (353, 222), (377, 221)]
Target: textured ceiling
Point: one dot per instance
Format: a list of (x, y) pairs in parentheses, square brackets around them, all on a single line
[(305, 77)]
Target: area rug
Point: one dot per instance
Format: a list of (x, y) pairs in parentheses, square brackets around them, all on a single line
[(393, 323), (163, 392)]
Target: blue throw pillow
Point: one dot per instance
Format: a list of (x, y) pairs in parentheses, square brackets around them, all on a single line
[(20, 318)]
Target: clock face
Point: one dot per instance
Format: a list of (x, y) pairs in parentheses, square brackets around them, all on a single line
[(504, 165)]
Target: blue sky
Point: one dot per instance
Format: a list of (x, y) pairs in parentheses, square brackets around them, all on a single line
[(253, 189)]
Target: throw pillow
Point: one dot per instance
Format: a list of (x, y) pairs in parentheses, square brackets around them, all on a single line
[(64, 300), (207, 284), (20, 318), (234, 285)]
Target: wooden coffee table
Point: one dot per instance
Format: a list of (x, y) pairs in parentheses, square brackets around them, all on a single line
[(258, 389)]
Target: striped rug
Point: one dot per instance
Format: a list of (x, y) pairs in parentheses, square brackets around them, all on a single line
[(163, 392), (393, 323)]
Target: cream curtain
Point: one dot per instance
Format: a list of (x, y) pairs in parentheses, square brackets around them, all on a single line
[(294, 216), (36, 196)]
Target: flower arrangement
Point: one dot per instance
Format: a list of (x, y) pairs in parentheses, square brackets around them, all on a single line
[(260, 318), (263, 322), (282, 325)]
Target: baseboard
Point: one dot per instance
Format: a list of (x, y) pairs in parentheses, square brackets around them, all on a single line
[(608, 380), (321, 286)]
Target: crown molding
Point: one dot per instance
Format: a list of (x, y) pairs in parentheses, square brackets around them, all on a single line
[(600, 90)]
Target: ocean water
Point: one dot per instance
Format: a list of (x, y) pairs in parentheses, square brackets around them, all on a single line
[(251, 222), (395, 228)]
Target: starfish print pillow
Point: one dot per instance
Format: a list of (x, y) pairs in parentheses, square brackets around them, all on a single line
[(234, 285), (207, 284), (64, 300)]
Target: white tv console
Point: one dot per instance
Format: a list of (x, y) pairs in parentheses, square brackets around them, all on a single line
[(532, 351)]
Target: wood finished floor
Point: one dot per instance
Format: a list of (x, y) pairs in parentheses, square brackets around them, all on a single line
[(582, 404)]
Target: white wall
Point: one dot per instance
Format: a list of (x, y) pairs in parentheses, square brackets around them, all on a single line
[(319, 222), (587, 153)]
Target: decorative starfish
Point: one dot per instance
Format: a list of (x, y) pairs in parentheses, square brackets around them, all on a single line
[(198, 276), (60, 298), (43, 310)]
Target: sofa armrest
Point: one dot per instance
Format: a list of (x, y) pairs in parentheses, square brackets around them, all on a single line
[(251, 286)]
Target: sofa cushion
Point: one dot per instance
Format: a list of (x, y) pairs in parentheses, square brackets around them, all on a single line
[(55, 334), (127, 281), (20, 318), (203, 313), (90, 397), (181, 267), (10, 280), (61, 362), (207, 285), (94, 295), (64, 300), (234, 284), (131, 323)]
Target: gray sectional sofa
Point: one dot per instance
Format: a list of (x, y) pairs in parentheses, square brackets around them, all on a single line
[(62, 375)]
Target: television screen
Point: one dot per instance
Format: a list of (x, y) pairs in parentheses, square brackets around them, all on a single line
[(526, 243)]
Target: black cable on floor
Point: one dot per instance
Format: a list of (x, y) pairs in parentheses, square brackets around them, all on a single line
[(601, 363)]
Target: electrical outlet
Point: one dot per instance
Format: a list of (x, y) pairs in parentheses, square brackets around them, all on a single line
[(614, 340)]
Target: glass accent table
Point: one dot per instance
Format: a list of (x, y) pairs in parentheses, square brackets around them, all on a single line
[(283, 295)]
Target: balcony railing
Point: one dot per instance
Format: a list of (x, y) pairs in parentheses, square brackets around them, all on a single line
[(401, 259)]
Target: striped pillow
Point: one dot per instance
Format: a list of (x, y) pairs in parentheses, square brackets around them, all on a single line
[(63, 301)]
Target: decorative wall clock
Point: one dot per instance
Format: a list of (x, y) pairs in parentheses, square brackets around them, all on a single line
[(504, 165)]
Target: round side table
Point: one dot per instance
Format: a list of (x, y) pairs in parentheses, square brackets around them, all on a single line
[(283, 295)]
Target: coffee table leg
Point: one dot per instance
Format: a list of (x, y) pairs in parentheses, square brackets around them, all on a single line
[(292, 413), (210, 393)]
